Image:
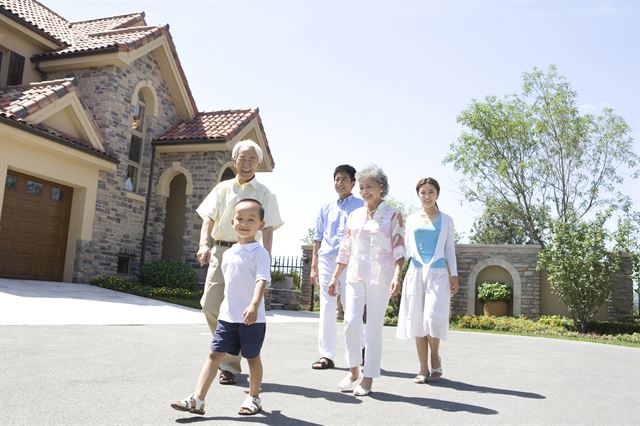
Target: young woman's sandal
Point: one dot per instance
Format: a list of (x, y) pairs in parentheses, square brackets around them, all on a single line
[(190, 404), (250, 406), (323, 363), (436, 373), (420, 379)]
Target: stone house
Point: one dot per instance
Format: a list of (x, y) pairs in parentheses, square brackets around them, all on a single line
[(103, 153)]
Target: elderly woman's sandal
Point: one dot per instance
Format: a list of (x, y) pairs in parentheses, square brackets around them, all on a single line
[(190, 404), (250, 406)]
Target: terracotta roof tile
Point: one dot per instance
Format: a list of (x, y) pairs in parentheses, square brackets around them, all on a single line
[(21, 101), (39, 17), (218, 126)]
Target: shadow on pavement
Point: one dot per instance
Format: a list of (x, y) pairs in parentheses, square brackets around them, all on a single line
[(461, 386), (336, 396), (274, 417), (436, 404)]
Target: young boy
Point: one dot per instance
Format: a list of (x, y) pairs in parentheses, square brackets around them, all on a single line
[(241, 324)]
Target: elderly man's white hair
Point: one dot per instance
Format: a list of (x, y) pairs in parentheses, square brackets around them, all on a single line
[(247, 144)]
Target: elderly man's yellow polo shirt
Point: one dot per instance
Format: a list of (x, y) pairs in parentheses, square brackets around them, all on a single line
[(219, 205)]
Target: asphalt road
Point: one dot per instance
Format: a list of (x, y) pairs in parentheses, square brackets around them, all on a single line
[(123, 374)]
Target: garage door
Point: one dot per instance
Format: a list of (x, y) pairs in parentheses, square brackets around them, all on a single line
[(33, 228)]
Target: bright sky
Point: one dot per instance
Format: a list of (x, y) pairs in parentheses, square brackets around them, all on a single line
[(382, 82)]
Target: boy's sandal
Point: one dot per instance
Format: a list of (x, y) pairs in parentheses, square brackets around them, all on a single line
[(190, 404), (227, 378), (323, 363), (250, 406), (420, 379)]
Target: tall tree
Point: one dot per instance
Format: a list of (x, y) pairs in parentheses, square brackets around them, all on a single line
[(502, 222), (537, 152)]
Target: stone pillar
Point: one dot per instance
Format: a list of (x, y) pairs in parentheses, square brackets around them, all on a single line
[(305, 280), (620, 306)]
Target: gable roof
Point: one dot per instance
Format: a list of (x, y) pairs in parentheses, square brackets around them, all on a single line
[(18, 104), (214, 126), (115, 34), (21, 101), (218, 127)]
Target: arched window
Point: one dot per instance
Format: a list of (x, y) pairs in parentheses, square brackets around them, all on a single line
[(227, 174), (136, 144)]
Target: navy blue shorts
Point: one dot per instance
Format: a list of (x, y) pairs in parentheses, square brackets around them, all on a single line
[(236, 337)]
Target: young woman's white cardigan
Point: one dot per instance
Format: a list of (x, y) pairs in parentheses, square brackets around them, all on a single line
[(412, 317)]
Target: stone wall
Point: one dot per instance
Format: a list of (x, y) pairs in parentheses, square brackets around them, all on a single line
[(107, 93), (306, 299)]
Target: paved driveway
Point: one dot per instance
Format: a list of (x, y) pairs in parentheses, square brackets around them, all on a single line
[(125, 370)]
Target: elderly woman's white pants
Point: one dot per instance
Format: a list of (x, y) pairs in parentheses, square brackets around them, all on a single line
[(376, 297)]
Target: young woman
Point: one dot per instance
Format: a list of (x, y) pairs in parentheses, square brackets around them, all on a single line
[(430, 281)]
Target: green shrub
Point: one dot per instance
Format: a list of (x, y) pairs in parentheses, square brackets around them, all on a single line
[(170, 273), (557, 321), (297, 281), (277, 275), (131, 286), (494, 291)]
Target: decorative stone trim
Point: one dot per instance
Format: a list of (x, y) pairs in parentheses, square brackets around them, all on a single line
[(473, 277)]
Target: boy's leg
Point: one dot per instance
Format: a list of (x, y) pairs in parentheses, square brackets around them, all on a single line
[(208, 373), (255, 376)]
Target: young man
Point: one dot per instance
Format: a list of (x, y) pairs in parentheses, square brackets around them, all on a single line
[(216, 211), (329, 230), (246, 267)]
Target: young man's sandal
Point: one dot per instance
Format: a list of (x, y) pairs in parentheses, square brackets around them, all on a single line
[(190, 404), (323, 363), (227, 378), (250, 406)]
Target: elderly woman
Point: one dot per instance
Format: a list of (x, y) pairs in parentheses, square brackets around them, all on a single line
[(430, 281), (373, 249)]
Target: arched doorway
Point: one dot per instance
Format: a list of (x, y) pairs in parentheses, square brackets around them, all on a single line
[(227, 174), (494, 269), (175, 218)]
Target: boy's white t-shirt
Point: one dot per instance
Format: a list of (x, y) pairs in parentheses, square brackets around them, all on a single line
[(242, 266)]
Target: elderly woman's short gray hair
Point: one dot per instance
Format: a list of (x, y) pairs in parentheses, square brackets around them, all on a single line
[(374, 172), (246, 144)]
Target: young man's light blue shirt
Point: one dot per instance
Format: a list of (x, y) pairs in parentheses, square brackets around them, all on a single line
[(331, 221)]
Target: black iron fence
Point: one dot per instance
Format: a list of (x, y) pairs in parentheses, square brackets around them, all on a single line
[(287, 264)]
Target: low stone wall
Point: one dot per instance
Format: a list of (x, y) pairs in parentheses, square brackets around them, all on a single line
[(283, 295)]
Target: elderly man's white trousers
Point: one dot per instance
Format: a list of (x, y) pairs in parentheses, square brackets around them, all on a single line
[(376, 297)]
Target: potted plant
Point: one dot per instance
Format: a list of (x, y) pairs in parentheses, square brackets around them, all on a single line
[(495, 296)]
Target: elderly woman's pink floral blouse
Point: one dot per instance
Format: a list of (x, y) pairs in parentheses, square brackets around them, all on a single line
[(371, 247)]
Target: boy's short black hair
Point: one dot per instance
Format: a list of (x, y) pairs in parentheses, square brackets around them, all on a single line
[(253, 200), (345, 168)]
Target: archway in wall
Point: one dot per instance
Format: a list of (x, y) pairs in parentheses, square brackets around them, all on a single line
[(494, 269), (227, 174), (175, 218), (493, 273)]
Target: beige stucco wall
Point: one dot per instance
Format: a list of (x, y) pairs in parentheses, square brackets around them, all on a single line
[(33, 155), (18, 42), (550, 304)]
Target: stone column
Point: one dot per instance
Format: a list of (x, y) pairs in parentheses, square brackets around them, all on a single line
[(305, 280)]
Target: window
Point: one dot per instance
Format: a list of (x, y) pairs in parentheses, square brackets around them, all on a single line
[(123, 264), (136, 144), (16, 68), (34, 188), (11, 182), (57, 194)]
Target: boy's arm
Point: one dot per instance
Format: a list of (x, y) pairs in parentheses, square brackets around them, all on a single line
[(250, 314)]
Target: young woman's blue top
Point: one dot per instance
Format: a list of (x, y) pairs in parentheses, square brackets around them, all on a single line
[(426, 238)]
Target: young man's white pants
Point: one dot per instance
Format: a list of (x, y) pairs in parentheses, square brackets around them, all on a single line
[(376, 297), (328, 304)]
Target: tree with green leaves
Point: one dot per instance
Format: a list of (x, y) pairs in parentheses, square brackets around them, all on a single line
[(537, 152), (579, 265), (502, 222)]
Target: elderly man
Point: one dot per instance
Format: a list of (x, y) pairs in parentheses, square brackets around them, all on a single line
[(329, 230), (216, 212)]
